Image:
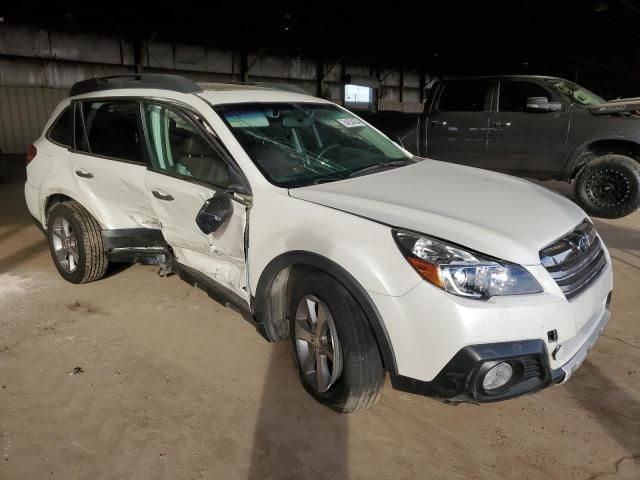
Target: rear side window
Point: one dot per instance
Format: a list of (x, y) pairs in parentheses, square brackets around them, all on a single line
[(463, 97), (61, 131), (111, 129), (513, 95)]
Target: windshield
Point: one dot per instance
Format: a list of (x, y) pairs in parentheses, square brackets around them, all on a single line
[(576, 94), (298, 144)]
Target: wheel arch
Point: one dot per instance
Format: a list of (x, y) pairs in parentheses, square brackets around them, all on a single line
[(53, 197), (272, 294), (595, 148)]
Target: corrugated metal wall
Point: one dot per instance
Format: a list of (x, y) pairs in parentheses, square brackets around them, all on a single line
[(23, 113)]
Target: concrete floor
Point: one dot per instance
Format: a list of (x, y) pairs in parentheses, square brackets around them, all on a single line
[(176, 386)]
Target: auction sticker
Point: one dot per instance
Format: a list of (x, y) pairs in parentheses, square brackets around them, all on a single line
[(350, 122)]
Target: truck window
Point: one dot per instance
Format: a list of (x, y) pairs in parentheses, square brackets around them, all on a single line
[(513, 95), (467, 96)]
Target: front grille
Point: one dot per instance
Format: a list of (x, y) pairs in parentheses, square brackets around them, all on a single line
[(575, 260)]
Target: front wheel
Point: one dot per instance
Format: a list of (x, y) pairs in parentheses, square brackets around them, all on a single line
[(609, 186), (334, 348)]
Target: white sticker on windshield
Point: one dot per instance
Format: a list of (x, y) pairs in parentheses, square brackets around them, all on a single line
[(350, 122)]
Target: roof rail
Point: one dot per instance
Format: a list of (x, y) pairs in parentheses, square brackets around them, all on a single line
[(286, 87), (175, 83)]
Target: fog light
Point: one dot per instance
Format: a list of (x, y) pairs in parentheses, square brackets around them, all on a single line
[(498, 376)]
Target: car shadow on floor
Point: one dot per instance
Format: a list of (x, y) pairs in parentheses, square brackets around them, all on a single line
[(296, 437), (11, 231), (23, 255), (616, 410)]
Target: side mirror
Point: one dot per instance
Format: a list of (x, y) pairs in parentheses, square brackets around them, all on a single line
[(214, 213), (542, 104)]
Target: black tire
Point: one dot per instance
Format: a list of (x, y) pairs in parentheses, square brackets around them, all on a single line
[(608, 186), (362, 378), (92, 262)]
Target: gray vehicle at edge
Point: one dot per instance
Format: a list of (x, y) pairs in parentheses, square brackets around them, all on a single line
[(533, 126)]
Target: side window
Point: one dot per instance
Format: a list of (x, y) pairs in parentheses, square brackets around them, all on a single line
[(61, 130), (178, 148), (111, 129), (513, 95), (466, 96)]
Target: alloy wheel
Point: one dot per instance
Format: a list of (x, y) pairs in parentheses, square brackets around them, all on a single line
[(317, 344), (65, 244), (608, 188)]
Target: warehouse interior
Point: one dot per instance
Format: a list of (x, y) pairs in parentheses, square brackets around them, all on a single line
[(395, 56), (140, 376)]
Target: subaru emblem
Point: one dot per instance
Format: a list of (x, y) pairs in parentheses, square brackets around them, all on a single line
[(584, 243)]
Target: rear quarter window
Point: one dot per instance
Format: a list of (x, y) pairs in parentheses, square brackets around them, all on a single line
[(61, 132)]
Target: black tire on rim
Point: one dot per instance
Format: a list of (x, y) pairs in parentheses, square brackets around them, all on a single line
[(608, 186), (75, 243), (334, 348)]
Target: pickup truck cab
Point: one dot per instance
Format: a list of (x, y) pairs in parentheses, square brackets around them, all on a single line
[(534, 126)]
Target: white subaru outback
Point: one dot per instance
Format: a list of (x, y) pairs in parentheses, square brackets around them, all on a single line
[(463, 284)]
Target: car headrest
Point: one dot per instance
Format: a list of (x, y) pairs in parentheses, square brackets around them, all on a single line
[(194, 146)]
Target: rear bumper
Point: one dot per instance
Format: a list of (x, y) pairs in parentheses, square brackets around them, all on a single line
[(461, 379)]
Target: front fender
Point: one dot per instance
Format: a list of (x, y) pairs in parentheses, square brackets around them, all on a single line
[(280, 224), (261, 301), (576, 158)]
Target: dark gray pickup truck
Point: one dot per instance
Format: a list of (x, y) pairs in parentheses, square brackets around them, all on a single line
[(540, 127)]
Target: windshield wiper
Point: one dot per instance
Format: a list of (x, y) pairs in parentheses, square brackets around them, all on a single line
[(379, 167)]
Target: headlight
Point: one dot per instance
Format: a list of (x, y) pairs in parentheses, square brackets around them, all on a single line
[(461, 272)]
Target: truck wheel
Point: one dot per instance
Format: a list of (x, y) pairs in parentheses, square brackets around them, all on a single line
[(75, 242), (334, 349), (608, 186)]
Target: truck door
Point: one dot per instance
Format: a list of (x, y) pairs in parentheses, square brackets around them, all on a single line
[(458, 122), (522, 141)]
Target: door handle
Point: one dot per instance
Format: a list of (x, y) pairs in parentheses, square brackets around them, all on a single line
[(83, 173), (161, 195), (438, 123), (501, 124)]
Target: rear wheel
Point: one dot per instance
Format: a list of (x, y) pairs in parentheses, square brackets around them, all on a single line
[(334, 349), (75, 242), (609, 186)]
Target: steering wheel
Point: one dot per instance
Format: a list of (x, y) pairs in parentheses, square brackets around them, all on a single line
[(325, 150)]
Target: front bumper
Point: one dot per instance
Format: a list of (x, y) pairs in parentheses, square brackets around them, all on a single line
[(562, 374), (461, 379)]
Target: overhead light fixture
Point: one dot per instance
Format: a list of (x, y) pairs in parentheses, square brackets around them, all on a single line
[(600, 7)]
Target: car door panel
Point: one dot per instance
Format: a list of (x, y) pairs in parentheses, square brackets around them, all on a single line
[(178, 216), (219, 255), (113, 186)]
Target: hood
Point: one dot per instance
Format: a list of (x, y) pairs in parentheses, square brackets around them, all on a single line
[(495, 214), (616, 106)]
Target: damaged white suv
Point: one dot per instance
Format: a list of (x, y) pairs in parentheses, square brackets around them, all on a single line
[(463, 284)]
